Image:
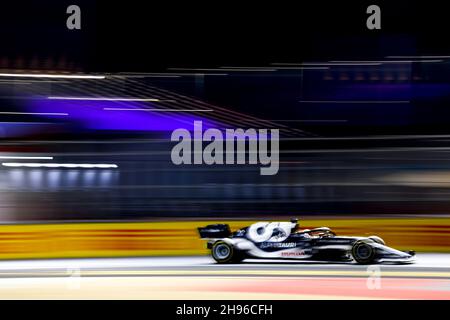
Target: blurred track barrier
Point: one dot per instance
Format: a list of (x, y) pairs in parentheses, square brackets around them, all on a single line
[(70, 240)]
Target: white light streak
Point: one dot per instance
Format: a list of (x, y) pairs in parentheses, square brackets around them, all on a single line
[(60, 165), (26, 158), (224, 69), (354, 101), (159, 110), (57, 76), (37, 113), (389, 61), (417, 57), (103, 99), (332, 63)]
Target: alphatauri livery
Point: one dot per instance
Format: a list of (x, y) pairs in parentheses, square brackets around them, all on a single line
[(284, 240)]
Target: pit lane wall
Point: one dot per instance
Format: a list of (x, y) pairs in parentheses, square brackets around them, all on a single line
[(122, 239)]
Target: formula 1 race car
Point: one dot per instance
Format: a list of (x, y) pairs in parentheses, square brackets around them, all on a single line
[(284, 240)]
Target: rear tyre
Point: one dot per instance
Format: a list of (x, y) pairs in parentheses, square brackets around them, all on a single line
[(224, 252), (363, 252)]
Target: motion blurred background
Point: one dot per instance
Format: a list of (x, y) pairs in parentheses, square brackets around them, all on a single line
[(86, 117)]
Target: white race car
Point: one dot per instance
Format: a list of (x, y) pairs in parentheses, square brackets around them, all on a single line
[(284, 240)]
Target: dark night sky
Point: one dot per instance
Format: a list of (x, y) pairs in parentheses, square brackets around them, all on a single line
[(151, 35), (146, 36)]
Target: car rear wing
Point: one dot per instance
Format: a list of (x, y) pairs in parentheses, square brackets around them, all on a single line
[(214, 231)]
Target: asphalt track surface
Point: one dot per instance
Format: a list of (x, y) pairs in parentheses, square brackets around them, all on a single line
[(201, 278)]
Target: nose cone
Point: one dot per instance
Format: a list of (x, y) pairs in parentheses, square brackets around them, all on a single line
[(412, 253)]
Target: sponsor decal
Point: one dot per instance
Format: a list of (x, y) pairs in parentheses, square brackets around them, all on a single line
[(265, 245), (294, 253)]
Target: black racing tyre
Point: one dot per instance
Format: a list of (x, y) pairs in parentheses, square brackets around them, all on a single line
[(363, 252), (224, 252)]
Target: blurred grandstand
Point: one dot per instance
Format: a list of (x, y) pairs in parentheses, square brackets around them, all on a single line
[(356, 139)]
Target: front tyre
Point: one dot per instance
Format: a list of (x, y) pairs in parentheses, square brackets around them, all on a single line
[(363, 252), (224, 252)]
